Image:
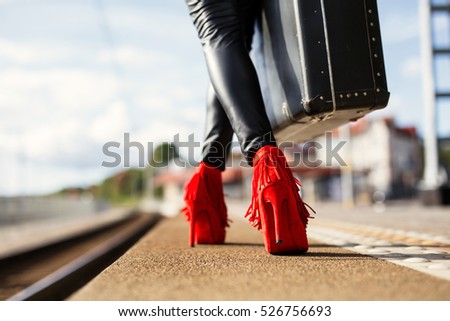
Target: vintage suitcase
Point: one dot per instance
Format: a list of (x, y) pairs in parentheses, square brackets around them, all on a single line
[(323, 65)]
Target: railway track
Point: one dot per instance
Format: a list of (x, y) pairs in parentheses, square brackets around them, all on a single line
[(55, 271)]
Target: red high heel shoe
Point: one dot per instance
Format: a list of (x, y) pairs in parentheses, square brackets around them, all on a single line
[(205, 208), (277, 208)]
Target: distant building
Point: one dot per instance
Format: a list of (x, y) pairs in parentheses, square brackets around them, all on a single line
[(382, 157)]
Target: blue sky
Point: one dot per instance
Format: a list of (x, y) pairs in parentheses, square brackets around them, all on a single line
[(75, 74)]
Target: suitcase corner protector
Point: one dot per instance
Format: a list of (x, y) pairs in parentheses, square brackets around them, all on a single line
[(315, 106)]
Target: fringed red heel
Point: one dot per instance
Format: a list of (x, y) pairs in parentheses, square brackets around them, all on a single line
[(205, 208), (277, 208)]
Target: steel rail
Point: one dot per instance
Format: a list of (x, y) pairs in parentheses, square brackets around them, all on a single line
[(68, 278)]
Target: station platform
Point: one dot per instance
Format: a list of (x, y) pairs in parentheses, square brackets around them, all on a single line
[(346, 261)]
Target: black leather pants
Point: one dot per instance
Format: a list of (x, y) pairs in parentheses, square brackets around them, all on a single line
[(235, 103)]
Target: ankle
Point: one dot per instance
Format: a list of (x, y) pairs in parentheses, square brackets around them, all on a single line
[(266, 151)]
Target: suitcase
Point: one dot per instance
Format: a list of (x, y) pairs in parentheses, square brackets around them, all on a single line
[(323, 65)]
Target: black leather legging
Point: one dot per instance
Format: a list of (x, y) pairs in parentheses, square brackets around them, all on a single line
[(235, 103)]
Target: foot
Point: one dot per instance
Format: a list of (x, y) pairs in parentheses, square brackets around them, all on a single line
[(277, 208), (205, 208)]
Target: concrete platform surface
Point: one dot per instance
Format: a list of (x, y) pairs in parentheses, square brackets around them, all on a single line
[(161, 266)]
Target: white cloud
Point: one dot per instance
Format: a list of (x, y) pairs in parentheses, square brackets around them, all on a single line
[(174, 26), (111, 124), (399, 27), (44, 144), (75, 89), (129, 55), (25, 53), (412, 67)]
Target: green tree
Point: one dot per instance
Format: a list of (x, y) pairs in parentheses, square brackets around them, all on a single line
[(160, 159), (163, 154)]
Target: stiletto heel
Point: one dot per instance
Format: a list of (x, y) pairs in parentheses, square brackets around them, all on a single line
[(276, 219), (276, 207), (205, 208), (272, 201)]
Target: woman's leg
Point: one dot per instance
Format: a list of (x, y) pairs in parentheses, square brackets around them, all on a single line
[(225, 28), (218, 133)]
